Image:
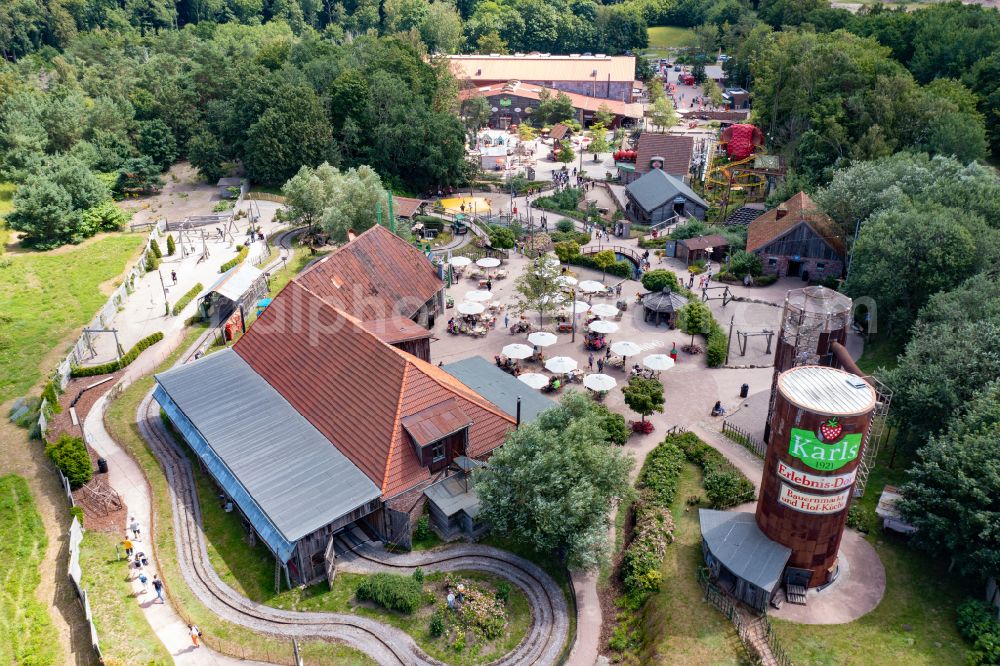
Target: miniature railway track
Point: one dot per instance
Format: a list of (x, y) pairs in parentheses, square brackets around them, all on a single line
[(385, 644)]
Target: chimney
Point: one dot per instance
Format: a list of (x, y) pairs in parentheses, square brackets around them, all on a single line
[(781, 212), (351, 235)]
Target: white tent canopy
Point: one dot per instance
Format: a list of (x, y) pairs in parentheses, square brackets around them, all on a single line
[(599, 382), (517, 351), (542, 338), (535, 380), (468, 308), (560, 364), (625, 348)]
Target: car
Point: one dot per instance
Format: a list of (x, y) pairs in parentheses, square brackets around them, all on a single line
[(677, 68), (724, 58)]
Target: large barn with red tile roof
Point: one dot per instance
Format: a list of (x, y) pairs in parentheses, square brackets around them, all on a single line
[(797, 239), (317, 423)]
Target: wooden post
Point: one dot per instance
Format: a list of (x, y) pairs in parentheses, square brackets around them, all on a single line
[(729, 343)]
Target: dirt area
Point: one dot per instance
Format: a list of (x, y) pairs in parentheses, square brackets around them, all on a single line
[(183, 194)]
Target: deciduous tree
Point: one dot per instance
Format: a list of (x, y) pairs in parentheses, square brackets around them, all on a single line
[(552, 485)]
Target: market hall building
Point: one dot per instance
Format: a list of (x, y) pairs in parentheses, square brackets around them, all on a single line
[(602, 76), (317, 424)]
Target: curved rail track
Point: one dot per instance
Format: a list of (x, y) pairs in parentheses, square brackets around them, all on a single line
[(384, 643)]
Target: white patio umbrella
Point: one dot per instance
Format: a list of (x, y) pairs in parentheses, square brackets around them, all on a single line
[(553, 298), (602, 326), (459, 262), (535, 380), (599, 382), (479, 296), (488, 262), (625, 348), (517, 351), (604, 310), (542, 338), (581, 307), (658, 362), (560, 364), (470, 308), (566, 281), (590, 286)]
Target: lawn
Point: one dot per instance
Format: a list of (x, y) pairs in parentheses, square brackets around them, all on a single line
[(680, 627), (46, 296), (668, 36), (27, 635), (120, 420), (6, 205), (126, 637), (880, 352)]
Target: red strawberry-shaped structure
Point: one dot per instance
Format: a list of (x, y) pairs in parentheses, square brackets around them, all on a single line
[(831, 430)]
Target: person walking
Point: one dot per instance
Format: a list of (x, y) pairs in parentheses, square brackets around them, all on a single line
[(600, 365), (590, 361), (133, 523), (129, 548), (173, 276), (506, 320), (195, 634), (144, 581), (489, 284), (158, 588)]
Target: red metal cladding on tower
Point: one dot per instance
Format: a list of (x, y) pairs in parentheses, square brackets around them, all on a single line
[(819, 422)]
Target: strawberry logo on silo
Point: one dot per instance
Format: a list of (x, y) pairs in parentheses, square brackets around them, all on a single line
[(831, 430)]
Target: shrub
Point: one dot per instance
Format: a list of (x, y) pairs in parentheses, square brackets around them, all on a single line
[(745, 263), (581, 237), (861, 518), (483, 612), (154, 247), (70, 455), (398, 593), (765, 280), (658, 279), (503, 591), (567, 250), (978, 624), (654, 531), (418, 575), (725, 485), (77, 513), (717, 346), (51, 395), (152, 262), (501, 238), (565, 226), (171, 245), (614, 426), (565, 200), (436, 626), (422, 531), (622, 269), (114, 366), (186, 298), (241, 253), (659, 474)]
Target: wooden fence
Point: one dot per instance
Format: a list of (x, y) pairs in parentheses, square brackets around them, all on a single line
[(755, 631), (744, 439)]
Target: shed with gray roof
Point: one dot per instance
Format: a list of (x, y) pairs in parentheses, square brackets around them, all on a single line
[(658, 197), (740, 557)]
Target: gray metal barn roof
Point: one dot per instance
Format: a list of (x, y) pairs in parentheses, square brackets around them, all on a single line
[(297, 478), (499, 387), (236, 281), (737, 542), (658, 187)]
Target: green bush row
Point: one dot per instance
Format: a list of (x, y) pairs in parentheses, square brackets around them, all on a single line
[(977, 622), (241, 253), (578, 237), (660, 472), (725, 485), (114, 366), (70, 455), (717, 345), (398, 593), (186, 298), (654, 531)]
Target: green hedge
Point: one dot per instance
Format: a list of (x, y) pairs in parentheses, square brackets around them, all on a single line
[(622, 269), (660, 472), (725, 485), (186, 298), (654, 526), (578, 237), (717, 345), (114, 366), (241, 253), (70, 455), (399, 593)]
